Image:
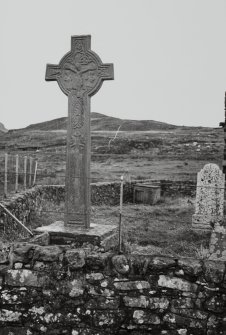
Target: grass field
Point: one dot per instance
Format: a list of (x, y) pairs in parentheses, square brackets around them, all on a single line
[(164, 154), (164, 228), (175, 154)]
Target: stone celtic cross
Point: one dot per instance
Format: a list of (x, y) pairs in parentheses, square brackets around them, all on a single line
[(80, 75)]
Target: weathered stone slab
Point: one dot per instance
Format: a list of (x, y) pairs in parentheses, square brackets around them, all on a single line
[(75, 258), (13, 330), (24, 278), (140, 317), (145, 302), (218, 242), (176, 283), (209, 198), (131, 285), (97, 234)]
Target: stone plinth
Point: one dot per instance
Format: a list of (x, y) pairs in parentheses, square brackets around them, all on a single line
[(99, 235), (209, 204)]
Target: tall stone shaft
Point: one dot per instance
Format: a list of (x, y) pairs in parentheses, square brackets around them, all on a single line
[(80, 75)]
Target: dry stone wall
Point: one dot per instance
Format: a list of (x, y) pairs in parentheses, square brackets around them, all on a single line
[(64, 290)]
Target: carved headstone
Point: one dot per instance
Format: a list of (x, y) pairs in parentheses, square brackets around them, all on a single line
[(209, 204), (80, 75), (223, 124)]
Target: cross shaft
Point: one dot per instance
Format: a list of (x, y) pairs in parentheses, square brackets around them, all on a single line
[(80, 75)]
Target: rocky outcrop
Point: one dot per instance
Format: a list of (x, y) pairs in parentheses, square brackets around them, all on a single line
[(2, 128)]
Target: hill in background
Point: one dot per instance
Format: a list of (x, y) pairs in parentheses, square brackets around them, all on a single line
[(103, 122)]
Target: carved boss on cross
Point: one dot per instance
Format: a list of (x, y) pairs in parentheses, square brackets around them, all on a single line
[(81, 70)]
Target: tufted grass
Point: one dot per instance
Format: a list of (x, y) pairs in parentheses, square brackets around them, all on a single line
[(164, 228)]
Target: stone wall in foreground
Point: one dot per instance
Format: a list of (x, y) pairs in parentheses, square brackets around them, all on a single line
[(60, 290)]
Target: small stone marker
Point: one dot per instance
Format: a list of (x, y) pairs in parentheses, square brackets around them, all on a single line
[(80, 75), (218, 242), (209, 198)]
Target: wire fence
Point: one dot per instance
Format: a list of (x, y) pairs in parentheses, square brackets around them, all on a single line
[(22, 170), (17, 173)]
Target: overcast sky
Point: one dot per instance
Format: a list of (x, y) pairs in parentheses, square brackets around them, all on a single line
[(169, 58)]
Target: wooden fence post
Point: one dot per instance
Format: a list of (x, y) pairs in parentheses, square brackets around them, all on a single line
[(30, 172), (17, 170), (120, 215), (35, 173), (25, 172), (6, 171)]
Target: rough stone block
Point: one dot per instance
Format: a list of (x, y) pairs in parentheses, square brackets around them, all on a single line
[(18, 265), (15, 331), (21, 252), (191, 267), (176, 283), (104, 319), (40, 266), (120, 264), (178, 320), (216, 304), (193, 314), (75, 258), (94, 277), (3, 257), (218, 242), (97, 262), (144, 317), (47, 253), (214, 271), (160, 262), (103, 303), (41, 239), (24, 277), (131, 285), (9, 316), (76, 288), (146, 302), (182, 303)]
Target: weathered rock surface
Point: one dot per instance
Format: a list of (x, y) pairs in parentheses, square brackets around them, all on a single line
[(64, 290)]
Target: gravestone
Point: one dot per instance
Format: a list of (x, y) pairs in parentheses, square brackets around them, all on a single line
[(80, 75), (209, 203), (223, 124)]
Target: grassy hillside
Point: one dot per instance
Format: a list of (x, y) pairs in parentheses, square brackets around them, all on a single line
[(167, 153), (104, 122)]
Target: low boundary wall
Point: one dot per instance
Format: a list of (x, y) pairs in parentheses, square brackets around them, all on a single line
[(60, 290)]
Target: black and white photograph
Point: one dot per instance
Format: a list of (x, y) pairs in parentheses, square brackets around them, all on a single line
[(112, 167)]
